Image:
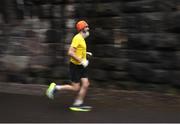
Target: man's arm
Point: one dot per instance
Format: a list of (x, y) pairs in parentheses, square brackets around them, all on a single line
[(71, 53)]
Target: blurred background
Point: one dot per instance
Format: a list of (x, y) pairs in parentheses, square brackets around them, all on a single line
[(135, 43)]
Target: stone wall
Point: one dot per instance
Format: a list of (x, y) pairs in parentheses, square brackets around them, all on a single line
[(153, 41), (132, 40)]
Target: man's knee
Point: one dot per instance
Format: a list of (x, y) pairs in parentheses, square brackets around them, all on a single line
[(85, 83)]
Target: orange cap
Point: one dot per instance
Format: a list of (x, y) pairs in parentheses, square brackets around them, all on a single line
[(81, 25)]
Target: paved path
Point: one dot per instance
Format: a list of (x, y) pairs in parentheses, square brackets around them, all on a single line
[(109, 106)]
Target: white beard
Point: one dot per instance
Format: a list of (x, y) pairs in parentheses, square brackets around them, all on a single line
[(86, 34)]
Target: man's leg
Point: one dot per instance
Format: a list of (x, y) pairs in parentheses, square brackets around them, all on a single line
[(82, 92), (52, 87), (73, 87)]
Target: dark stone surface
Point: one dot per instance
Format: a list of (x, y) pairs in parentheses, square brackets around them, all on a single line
[(108, 51), (141, 71), (171, 22), (115, 64), (141, 6)]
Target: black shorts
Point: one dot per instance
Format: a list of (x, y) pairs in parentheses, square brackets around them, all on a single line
[(77, 72)]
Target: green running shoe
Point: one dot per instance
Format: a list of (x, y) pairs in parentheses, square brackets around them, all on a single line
[(80, 108), (50, 91)]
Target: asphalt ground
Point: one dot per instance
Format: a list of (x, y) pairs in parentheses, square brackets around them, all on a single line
[(109, 106)]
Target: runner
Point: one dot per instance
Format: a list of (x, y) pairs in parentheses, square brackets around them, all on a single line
[(78, 68)]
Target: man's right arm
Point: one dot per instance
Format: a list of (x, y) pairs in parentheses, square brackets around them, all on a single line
[(71, 53)]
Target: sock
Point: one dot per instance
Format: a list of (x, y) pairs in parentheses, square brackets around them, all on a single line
[(58, 87), (78, 102)]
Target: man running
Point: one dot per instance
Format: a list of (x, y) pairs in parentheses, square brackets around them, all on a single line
[(78, 68)]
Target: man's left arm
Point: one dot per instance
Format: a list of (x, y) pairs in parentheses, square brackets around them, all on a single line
[(89, 53)]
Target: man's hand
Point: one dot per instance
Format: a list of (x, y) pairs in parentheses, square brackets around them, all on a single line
[(85, 63), (89, 53)]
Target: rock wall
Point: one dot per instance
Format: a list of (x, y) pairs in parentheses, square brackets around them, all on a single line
[(132, 40), (153, 41)]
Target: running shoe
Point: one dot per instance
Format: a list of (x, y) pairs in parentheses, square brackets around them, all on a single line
[(50, 91), (82, 108)]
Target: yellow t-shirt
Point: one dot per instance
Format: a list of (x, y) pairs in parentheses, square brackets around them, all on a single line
[(79, 44)]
